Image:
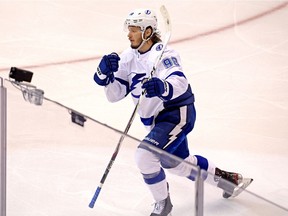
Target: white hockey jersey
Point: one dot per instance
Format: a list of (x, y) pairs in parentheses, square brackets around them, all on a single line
[(134, 67)]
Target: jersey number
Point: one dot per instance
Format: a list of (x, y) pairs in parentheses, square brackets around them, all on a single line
[(170, 62)]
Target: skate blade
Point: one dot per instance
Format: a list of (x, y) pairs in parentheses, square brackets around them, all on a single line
[(239, 189), (242, 186)]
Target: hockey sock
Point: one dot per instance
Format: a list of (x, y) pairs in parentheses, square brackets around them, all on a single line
[(205, 165), (157, 184)]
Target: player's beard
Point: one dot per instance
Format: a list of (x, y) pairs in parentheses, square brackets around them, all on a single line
[(136, 46)]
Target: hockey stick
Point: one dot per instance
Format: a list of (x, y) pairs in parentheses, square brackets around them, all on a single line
[(167, 23)]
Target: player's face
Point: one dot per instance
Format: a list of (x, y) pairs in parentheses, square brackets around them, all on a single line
[(134, 36)]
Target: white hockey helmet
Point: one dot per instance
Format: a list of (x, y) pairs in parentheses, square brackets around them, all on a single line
[(142, 18)]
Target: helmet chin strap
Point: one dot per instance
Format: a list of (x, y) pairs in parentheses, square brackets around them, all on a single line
[(143, 40)]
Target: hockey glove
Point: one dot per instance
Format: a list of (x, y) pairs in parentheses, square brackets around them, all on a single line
[(107, 66), (154, 87)]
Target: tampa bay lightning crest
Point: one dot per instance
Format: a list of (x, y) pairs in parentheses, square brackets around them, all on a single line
[(159, 47), (147, 12)]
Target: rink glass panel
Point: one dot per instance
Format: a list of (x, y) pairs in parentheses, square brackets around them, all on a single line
[(54, 167)]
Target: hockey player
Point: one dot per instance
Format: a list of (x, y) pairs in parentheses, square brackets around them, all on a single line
[(166, 110)]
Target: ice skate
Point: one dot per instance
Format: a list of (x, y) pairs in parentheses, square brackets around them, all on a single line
[(223, 176), (163, 207)]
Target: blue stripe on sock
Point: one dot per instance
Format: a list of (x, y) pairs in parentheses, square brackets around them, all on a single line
[(202, 162), (193, 175), (154, 178)]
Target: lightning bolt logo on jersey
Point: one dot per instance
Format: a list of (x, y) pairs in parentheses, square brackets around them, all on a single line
[(136, 79)]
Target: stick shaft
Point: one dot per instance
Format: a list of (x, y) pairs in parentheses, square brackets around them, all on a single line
[(113, 157)]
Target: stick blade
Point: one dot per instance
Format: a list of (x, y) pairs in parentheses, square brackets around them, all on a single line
[(166, 18)]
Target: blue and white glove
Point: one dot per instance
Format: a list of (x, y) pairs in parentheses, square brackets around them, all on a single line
[(105, 71), (157, 87)]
